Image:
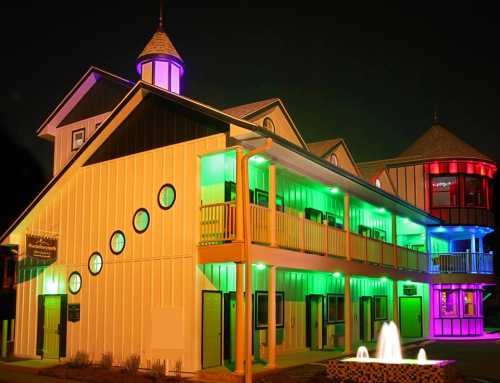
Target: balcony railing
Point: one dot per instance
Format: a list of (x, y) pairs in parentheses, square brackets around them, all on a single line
[(468, 263), (294, 232)]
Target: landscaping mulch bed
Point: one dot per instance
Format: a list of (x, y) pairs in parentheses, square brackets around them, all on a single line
[(98, 374)]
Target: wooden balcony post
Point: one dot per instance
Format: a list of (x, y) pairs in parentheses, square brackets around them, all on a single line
[(325, 239), (347, 315), (272, 205), (394, 241), (271, 317), (395, 302), (347, 226), (239, 196), (240, 321), (301, 232)]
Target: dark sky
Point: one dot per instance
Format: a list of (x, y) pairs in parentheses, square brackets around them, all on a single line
[(369, 73)]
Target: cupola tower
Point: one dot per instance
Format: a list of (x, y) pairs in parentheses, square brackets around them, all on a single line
[(159, 62)]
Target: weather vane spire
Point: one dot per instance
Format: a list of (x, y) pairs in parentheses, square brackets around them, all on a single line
[(161, 21), (435, 116)]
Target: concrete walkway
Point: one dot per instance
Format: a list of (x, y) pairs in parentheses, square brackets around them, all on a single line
[(26, 371)]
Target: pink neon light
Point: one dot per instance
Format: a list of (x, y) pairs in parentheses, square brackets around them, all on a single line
[(435, 168), (453, 167), (175, 79), (161, 74), (470, 168)]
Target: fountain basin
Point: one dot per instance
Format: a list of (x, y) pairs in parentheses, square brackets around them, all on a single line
[(367, 370)]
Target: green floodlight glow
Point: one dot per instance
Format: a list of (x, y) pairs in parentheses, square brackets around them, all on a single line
[(260, 266), (336, 274), (51, 286), (406, 220), (408, 282), (334, 190), (383, 279), (258, 159), (381, 209)]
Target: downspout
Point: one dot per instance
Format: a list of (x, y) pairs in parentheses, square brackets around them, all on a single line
[(246, 253)]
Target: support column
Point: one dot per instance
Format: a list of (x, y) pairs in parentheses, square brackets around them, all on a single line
[(5, 331), (271, 317), (347, 225), (395, 302), (394, 241), (240, 322), (272, 204), (347, 315), (239, 196)]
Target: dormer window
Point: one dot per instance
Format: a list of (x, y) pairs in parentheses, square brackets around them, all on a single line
[(269, 125), (333, 159), (78, 138)]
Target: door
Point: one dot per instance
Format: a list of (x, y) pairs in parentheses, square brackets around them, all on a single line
[(410, 313), (230, 326), (365, 319), (211, 353), (314, 322), (51, 326)]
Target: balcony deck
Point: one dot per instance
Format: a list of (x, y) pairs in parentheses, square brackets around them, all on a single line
[(294, 232)]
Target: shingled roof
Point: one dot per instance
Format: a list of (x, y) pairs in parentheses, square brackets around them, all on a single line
[(159, 45), (321, 148), (439, 142), (245, 110)]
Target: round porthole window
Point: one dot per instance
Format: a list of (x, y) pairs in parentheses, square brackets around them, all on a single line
[(75, 282), (166, 196), (95, 263), (117, 242), (141, 220)]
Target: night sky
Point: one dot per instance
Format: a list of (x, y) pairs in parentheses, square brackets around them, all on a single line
[(370, 74)]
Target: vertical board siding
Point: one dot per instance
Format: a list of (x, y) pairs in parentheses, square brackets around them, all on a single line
[(154, 272)]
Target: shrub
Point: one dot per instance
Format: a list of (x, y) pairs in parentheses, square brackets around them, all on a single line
[(178, 368), (158, 369), (107, 360), (80, 360), (132, 363)]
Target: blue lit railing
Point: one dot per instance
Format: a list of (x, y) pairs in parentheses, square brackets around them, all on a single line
[(465, 263)]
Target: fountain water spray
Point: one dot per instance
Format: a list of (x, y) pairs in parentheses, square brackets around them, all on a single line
[(422, 356), (362, 353), (389, 345)]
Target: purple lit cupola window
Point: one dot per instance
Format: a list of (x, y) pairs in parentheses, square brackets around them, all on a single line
[(160, 64)]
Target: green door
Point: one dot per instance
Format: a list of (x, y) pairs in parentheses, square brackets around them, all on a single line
[(365, 313), (51, 326), (315, 321), (410, 313), (211, 353)]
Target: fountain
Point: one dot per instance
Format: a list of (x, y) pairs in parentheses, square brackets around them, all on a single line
[(389, 364)]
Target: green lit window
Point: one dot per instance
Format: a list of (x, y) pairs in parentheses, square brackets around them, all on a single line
[(166, 196), (75, 282), (117, 242), (335, 308), (95, 263), (380, 307), (261, 309), (141, 220)]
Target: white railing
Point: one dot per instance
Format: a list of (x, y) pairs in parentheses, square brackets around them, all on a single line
[(294, 232), (466, 263), (217, 223)]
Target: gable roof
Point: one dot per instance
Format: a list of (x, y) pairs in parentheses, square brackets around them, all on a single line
[(81, 88), (242, 111), (439, 142), (83, 154), (322, 148), (248, 111), (159, 45)]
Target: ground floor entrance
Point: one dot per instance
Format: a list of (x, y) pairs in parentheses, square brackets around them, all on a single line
[(315, 323), (51, 331), (211, 350), (410, 309), (366, 319)]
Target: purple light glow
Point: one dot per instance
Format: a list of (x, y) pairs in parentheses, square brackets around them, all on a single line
[(161, 74), (175, 78), (456, 310)]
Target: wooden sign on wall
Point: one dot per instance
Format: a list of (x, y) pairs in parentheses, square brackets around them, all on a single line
[(74, 312), (41, 247)]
